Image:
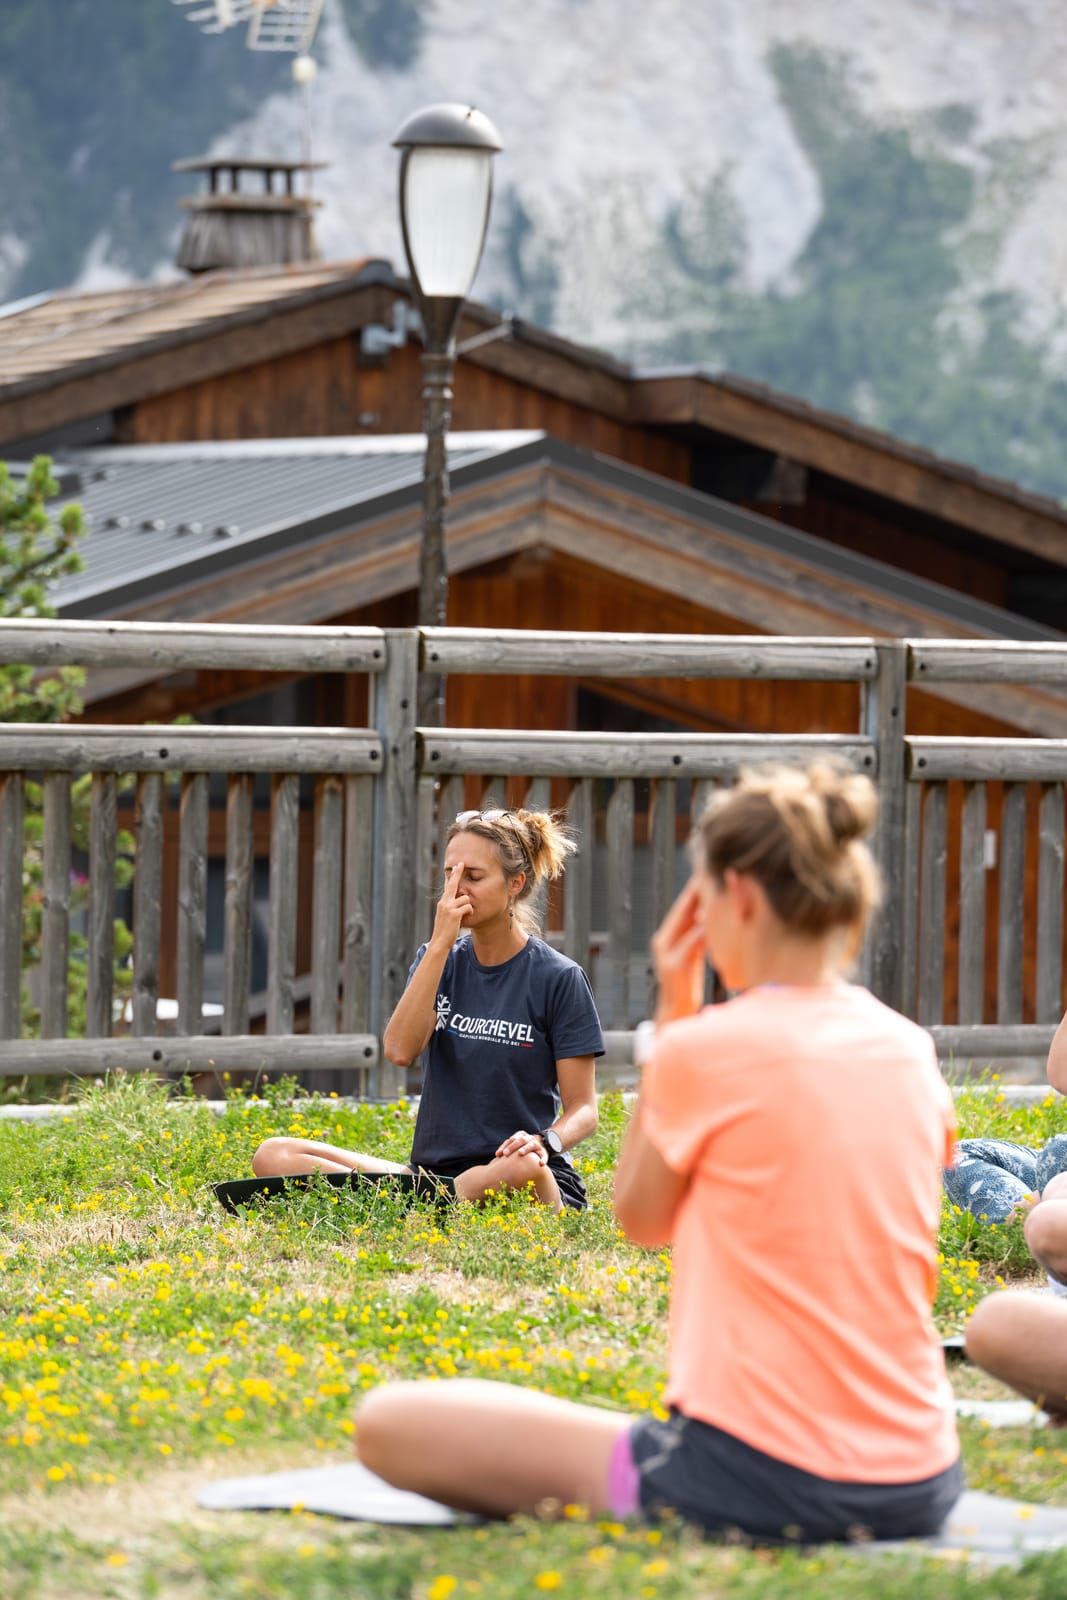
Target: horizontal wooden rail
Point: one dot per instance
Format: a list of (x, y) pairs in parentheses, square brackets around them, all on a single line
[(487, 650), (986, 760), (984, 1041), (982, 661), (180, 645), (236, 1053), (652, 755), (80, 747)]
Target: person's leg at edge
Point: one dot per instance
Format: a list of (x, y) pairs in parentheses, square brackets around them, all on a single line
[(1051, 1161), (510, 1172), (495, 1448), (991, 1178), (1022, 1340), (282, 1157), (1045, 1229)]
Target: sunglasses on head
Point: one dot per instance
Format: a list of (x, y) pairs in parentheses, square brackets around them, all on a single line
[(463, 817)]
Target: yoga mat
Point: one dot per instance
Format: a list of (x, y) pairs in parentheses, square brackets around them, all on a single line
[(345, 1490), (243, 1191), (985, 1526), (991, 1530)]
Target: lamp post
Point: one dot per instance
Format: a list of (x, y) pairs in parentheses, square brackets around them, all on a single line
[(446, 184)]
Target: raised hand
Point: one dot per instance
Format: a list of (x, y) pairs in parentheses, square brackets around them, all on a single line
[(678, 957), (452, 907)]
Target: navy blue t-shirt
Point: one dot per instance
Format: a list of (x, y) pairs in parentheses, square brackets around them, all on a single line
[(491, 1060)]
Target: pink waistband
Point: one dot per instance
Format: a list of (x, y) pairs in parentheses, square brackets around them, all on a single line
[(623, 1479)]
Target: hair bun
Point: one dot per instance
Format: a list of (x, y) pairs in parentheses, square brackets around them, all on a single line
[(799, 833), (849, 800)]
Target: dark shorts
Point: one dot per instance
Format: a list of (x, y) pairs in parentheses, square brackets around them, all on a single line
[(571, 1188), (726, 1487)]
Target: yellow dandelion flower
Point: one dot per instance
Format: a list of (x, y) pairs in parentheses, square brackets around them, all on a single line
[(441, 1587), (549, 1580)]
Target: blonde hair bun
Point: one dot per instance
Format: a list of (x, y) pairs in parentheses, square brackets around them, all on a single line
[(799, 832)]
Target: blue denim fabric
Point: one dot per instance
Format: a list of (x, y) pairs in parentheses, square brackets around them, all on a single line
[(993, 1175)]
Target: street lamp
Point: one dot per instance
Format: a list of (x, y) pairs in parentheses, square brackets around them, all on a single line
[(446, 184)]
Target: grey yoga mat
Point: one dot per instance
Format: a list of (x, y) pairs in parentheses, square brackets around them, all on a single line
[(984, 1526), (346, 1489)]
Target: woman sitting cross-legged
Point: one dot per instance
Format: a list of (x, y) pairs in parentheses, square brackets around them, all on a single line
[(789, 1144), (508, 1024)]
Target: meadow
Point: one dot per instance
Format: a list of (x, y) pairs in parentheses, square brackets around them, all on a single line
[(150, 1342)]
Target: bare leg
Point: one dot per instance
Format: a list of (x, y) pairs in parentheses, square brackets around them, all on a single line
[(488, 1447), (1046, 1228), (280, 1156), (510, 1172), (1022, 1340)]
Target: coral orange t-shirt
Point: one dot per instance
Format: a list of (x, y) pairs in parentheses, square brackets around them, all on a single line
[(812, 1124)]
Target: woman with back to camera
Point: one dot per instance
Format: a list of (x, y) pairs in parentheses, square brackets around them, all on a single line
[(509, 1026), (789, 1144)]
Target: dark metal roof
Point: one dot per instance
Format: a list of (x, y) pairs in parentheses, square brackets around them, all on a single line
[(164, 515), (158, 514)]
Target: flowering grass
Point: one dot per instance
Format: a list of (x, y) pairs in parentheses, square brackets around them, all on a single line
[(150, 1342)]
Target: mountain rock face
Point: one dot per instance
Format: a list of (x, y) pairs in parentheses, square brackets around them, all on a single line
[(857, 202)]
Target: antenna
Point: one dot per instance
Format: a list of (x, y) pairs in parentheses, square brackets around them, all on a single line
[(272, 24)]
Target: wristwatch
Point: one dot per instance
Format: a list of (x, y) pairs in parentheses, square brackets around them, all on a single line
[(551, 1141)]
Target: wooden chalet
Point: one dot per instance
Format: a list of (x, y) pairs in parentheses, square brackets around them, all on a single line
[(248, 445), (324, 350)]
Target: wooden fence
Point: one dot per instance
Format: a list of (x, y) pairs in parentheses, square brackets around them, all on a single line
[(377, 801)]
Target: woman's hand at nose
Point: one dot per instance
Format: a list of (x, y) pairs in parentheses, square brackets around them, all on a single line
[(452, 907)]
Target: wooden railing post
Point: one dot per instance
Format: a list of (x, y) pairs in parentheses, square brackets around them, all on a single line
[(394, 833), (12, 846), (882, 719), (102, 856)]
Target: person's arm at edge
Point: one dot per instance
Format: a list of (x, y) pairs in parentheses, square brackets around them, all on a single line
[(1056, 1070)]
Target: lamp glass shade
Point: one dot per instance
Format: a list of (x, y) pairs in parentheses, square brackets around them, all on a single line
[(445, 204)]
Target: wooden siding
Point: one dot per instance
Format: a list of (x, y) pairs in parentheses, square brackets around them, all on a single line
[(885, 533), (874, 462), (328, 389)]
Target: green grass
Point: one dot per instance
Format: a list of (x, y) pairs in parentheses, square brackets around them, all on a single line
[(150, 1342)]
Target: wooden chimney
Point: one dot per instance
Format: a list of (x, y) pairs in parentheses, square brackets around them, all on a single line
[(232, 227)]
